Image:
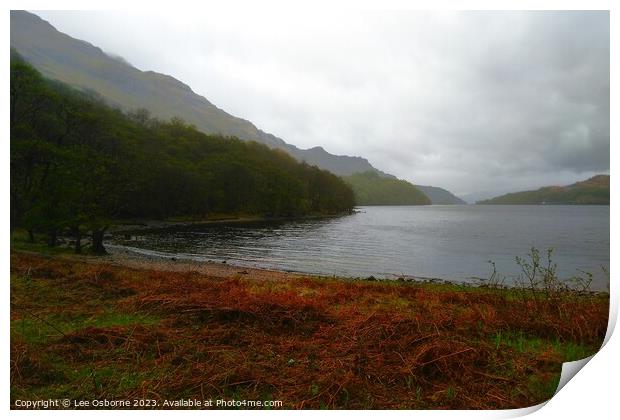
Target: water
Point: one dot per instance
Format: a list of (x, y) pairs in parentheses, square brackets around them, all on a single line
[(448, 242)]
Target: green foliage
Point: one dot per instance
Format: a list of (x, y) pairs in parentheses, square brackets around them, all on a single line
[(591, 191), (539, 277), (78, 164), (371, 189), (538, 274), (523, 343)]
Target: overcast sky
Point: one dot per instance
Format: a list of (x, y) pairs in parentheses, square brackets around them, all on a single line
[(470, 101)]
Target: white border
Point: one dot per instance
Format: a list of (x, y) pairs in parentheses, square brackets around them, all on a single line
[(593, 393)]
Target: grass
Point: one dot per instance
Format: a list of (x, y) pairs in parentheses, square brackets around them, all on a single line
[(85, 329), (519, 342), (39, 247)]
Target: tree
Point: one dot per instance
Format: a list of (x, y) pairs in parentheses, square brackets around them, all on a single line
[(78, 165)]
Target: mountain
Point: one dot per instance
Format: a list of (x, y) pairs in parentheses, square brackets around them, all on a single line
[(86, 67), (439, 195), (591, 191), (372, 189)]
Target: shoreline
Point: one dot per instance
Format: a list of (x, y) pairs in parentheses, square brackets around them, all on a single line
[(122, 256), (128, 257), (136, 258), (128, 226), (153, 260)]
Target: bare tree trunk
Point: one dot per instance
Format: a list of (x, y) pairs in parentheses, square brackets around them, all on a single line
[(78, 240), (53, 238), (97, 245), (30, 236)]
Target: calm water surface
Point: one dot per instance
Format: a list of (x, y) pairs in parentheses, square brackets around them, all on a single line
[(447, 242)]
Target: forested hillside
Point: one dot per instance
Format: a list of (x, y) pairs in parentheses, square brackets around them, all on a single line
[(78, 164), (591, 191), (371, 189)]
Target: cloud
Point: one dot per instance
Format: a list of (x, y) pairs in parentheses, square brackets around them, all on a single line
[(468, 101)]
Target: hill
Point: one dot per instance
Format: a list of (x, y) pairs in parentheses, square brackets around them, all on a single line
[(372, 189), (86, 67), (591, 191), (439, 195)]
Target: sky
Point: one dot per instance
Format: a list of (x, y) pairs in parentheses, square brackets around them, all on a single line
[(480, 103)]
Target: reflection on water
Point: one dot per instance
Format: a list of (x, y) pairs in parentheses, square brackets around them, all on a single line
[(448, 242)]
